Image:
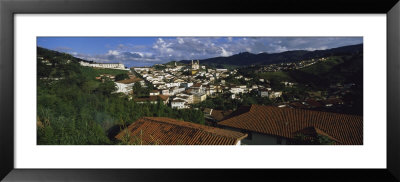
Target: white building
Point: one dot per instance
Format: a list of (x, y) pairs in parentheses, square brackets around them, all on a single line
[(274, 95), (140, 69), (195, 65), (178, 104), (154, 93), (172, 84), (263, 93), (185, 97), (199, 97), (236, 90), (104, 65), (123, 88), (165, 92), (187, 84), (221, 70)]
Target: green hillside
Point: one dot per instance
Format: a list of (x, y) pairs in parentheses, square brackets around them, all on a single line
[(280, 75), (344, 69), (73, 108), (337, 69)]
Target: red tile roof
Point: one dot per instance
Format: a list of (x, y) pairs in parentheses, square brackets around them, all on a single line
[(197, 85), (333, 101), (130, 80), (163, 97), (167, 131), (297, 105), (313, 103), (218, 115), (287, 122)]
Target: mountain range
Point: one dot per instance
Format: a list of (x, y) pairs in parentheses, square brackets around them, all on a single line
[(247, 59)]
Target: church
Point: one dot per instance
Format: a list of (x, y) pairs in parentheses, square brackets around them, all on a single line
[(195, 67)]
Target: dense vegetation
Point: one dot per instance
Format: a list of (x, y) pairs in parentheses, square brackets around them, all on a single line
[(121, 76), (73, 108)]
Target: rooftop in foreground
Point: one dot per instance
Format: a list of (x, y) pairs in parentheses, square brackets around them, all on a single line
[(288, 122), (167, 131)]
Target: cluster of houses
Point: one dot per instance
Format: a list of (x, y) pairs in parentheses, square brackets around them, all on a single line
[(196, 85), (180, 91), (290, 65), (329, 100)]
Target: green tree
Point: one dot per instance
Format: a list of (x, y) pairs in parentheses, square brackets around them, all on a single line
[(107, 88), (122, 76)]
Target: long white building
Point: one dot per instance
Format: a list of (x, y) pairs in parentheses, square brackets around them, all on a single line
[(104, 65)]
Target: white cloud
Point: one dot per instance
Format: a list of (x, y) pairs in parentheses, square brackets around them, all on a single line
[(188, 48), (113, 52), (225, 53), (181, 41)]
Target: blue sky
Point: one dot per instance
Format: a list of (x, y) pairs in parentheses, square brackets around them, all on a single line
[(146, 51)]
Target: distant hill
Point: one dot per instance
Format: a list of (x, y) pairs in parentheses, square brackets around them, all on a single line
[(54, 55), (246, 58)]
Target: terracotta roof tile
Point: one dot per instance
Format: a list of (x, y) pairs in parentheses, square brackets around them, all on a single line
[(163, 97), (297, 105), (167, 131), (218, 115), (197, 85), (286, 122), (313, 103), (128, 81)]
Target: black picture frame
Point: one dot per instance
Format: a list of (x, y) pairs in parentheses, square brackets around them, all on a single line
[(8, 8)]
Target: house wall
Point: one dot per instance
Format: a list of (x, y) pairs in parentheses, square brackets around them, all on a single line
[(264, 94), (260, 139), (178, 105), (239, 142), (153, 94), (254, 138), (199, 98)]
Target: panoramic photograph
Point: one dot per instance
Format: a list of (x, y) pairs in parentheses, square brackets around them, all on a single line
[(199, 91)]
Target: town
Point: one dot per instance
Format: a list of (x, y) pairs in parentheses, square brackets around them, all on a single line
[(301, 102), (184, 86)]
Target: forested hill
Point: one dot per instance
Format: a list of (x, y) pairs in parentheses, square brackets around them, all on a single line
[(246, 58), (55, 56), (75, 108)]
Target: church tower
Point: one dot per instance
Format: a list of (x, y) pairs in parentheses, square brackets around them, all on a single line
[(195, 67)]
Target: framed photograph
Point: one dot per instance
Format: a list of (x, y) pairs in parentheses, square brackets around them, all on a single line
[(105, 91)]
